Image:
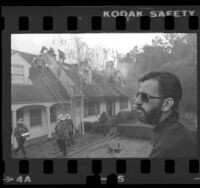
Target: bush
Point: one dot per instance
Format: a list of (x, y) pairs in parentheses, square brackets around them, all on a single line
[(103, 118), (135, 131), (106, 123), (102, 128), (126, 116), (188, 78), (89, 126)]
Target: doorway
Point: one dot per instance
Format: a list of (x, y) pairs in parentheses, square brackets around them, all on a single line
[(109, 107)]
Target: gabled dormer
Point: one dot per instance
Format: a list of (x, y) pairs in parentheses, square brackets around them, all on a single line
[(20, 69)]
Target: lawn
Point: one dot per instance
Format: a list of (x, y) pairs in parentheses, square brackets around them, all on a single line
[(91, 145), (130, 148)]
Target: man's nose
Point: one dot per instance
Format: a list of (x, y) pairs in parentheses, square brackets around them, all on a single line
[(138, 100)]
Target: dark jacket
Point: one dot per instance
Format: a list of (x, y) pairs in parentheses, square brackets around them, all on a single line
[(70, 125), (19, 130), (171, 139), (61, 130)]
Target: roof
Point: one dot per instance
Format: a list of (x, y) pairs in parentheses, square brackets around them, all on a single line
[(28, 94), (38, 91), (27, 56), (100, 86)]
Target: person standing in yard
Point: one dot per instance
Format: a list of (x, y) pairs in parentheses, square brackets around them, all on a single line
[(156, 104), (20, 133), (61, 134), (70, 126), (104, 121), (103, 118)]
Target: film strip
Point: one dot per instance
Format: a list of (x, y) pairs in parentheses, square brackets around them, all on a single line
[(76, 20), (144, 168)]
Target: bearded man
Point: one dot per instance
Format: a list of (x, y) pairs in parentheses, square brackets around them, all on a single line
[(156, 104)]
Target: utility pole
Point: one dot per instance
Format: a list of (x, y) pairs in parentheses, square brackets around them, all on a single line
[(81, 80), (82, 107)]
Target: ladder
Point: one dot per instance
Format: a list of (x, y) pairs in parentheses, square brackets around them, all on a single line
[(54, 66), (57, 95)]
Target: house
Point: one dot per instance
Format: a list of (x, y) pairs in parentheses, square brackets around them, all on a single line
[(40, 94), (31, 98)]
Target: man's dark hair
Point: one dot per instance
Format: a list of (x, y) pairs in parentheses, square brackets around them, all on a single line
[(169, 86)]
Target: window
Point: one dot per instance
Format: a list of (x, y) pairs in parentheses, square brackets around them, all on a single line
[(35, 117), (53, 114), (109, 107), (17, 74), (93, 108), (123, 104), (97, 107)]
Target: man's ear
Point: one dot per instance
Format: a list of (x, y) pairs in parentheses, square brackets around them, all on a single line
[(167, 104)]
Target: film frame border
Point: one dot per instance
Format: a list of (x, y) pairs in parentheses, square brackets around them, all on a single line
[(49, 23)]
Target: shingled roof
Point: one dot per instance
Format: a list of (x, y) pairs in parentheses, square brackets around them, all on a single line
[(30, 93), (38, 91), (27, 56), (99, 87)]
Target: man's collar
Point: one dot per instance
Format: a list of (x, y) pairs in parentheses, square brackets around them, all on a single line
[(164, 123)]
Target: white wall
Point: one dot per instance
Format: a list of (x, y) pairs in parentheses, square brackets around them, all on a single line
[(38, 130), (102, 106), (43, 130), (91, 118), (129, 104), (117, 106), (17, 59), (77, 113)]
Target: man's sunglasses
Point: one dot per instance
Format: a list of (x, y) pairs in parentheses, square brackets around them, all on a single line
[(146, 97)]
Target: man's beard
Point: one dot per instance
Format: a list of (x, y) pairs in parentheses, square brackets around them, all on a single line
[(152, 117)]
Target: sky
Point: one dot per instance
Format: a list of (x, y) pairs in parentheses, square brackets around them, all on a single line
[(122, 42)]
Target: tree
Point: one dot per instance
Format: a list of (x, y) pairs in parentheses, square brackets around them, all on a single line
[(188, 76), (130, 57), (176, 53)]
